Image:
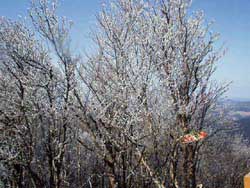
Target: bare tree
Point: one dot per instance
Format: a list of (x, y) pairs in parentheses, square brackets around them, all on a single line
[(37, 83), (151, 82)]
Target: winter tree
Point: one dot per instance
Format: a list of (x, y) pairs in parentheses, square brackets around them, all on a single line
[(151, 83)]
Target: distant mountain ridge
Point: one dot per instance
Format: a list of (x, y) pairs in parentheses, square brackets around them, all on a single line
[(240, 99), (240, 111)]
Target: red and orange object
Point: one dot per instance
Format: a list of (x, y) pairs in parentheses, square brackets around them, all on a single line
[(194, 137)]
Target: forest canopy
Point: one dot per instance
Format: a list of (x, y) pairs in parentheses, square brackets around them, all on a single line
[(141, 111)]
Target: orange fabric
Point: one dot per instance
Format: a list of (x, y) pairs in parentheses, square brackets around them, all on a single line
[(202, 134), (247, 181), (189, 138)]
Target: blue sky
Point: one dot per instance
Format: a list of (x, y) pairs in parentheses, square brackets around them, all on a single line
[(232, 21)]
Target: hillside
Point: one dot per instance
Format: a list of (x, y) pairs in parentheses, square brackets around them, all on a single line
[(240, 111)]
